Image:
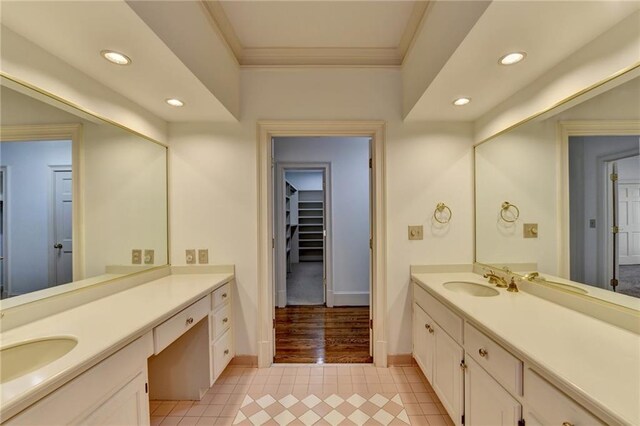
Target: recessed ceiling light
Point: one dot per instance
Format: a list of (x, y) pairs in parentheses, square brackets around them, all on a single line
[(461, 101), (174, 102), (512, 58), (116, 57)]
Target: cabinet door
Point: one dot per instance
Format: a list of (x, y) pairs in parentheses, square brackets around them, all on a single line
[(423, 341), (447, 374), (486, 402), (127, 406)]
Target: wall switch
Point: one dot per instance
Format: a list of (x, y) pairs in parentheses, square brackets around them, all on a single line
[(530, 230), (149, 257), (191, 257), (415, 232), (136, 256), (203, 256)]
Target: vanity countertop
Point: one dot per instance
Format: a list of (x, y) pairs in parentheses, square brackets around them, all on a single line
[(594, 359), (101, 327)]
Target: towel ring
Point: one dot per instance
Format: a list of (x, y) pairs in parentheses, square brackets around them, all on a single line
[(437, 213), (506, 206)]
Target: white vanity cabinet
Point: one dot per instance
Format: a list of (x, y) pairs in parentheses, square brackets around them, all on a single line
[(438, 354), (221, 345), (114, 392)]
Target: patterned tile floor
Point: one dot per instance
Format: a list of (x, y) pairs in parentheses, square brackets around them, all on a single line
[(310, 395)]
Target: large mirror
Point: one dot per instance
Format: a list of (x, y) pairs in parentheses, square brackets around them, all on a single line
[(81, 200), (560, 195)]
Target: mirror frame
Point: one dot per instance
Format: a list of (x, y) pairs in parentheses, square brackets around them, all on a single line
[(73, 131)]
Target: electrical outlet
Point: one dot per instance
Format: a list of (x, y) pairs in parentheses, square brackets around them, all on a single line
[(149, 257), (191, 256), (203, 256), (136, 256), (415, 232), (530, 230)]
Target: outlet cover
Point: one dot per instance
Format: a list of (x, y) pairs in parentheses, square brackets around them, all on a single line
[(191, 256), (136, 257), (149, 257), (415, 232), (203, 256), (530, 230)]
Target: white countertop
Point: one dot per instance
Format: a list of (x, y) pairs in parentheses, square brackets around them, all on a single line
[(598, 361), (101, 327)]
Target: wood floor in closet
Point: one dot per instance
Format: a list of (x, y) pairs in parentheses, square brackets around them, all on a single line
[(317, 334)]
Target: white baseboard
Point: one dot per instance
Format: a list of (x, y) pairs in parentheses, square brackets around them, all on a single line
[(351, 299)]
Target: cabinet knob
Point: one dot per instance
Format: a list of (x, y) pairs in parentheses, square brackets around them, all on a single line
[(224, 295), (190, 320), (463, 365), (567, 424), (226, 351), (483, 352), (225, 320), (428, 327)]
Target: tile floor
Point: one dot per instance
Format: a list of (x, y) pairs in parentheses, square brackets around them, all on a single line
[(310, 395)]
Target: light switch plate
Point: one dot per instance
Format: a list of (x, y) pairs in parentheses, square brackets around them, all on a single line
[(530, 230), (149, 257), (415, 232), (203, 256), (136, 256), (191, 256)]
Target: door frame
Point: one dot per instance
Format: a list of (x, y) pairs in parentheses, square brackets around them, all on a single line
[(53, 169), (565, 130), (53, 132), (6, 290), (280, 256), (266, 130)]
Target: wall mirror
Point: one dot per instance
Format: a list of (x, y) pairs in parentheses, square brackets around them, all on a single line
[(561, 193), (77, 196)]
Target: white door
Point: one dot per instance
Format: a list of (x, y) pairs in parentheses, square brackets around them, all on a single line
[(486, 402), (371, 269), (3, 237), (62, 272), (448, 380), (629, 223)]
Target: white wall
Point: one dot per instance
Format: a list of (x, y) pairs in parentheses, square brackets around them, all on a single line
[(349, 158), (309, 181), (29, 188), (213, 184), (629, 168), (586, 191)]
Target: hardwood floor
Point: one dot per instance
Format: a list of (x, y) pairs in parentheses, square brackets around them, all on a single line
[(317, 334)]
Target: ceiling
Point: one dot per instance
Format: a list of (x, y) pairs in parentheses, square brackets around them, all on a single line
[(318, 32)]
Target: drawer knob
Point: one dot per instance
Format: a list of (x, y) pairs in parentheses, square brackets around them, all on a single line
[(224, 320), (428, 327), (483, 352), (189, 320), (567, 424), (226, 351), (224, 295)]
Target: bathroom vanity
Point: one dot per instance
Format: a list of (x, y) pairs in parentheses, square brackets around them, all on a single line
[(497, 357), (121, 344)]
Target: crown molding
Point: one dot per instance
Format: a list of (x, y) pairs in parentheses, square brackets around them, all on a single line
[(220, 23), (414, 25)]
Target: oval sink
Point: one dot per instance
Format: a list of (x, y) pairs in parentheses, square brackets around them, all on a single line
[(472, 289), (23, 358)]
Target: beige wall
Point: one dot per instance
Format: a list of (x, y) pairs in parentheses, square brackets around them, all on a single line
[(213, 186)]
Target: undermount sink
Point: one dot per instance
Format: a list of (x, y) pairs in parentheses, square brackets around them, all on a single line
[(23, 358), (472, 289)]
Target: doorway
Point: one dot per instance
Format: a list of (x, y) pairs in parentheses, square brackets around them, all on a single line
[(322, 261)]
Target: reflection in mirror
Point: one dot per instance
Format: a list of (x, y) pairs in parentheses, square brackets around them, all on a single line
[(555, 173), (77, 195)]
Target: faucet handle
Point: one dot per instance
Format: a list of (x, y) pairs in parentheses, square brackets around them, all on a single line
[(512, 286)]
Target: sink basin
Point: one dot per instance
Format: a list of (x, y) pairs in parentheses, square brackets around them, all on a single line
[(23, 358), (472, 289)]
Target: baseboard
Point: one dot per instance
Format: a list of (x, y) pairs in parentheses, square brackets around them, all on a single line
[(404, 360), (351, 299), (244, 361)]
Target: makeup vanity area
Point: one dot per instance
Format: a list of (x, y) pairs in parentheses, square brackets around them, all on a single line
[(516, 338)]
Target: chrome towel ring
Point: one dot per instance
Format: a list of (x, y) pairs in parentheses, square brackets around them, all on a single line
[(442, 213), (506, 207)]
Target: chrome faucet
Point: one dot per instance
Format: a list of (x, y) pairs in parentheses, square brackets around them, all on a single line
[(496, 279)]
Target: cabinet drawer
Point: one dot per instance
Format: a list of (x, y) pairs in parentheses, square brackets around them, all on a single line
[(221, 321), (222, 352), (221, 295), (548, 405), (503, 366), (446, 319), (167, 332)]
